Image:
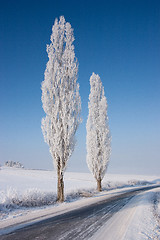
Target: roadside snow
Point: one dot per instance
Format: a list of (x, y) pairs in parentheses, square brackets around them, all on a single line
[(22, 220), (27, 196), (22, 190), (137, 220)]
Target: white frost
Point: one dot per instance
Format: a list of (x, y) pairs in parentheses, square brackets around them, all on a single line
[(98, 134), (60, 95)]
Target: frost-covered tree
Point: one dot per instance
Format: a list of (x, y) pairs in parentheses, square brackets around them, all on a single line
[(98, 135), (61, 99)]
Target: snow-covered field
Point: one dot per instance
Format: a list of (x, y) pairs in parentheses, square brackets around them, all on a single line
[(25, 192)]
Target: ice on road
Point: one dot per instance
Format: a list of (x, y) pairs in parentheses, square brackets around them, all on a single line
[(129, 218), (109, 218), (139, 220)]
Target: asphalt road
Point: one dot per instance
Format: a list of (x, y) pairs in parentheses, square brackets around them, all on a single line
[(75, 225)]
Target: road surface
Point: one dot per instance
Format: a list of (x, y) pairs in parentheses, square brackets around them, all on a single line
[(77, 224)]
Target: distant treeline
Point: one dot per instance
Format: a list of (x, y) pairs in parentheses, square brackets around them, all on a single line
[(13, 164)]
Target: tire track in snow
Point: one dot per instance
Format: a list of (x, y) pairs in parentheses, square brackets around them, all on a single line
[(77, 224)]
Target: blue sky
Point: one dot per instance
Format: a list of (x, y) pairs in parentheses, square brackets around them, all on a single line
[(120, 41)]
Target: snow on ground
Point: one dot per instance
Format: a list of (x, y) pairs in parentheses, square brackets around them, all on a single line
[(21, 189), (139, 220), (26, 194)]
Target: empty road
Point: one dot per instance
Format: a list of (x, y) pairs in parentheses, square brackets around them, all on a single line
[(78, 224)]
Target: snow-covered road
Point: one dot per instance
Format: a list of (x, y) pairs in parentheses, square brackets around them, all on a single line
[(108, 218), (28, 197), (139, 219)]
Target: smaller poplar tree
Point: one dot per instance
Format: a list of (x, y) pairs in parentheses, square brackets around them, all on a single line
[(98, 135)]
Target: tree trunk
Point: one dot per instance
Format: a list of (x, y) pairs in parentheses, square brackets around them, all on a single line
[(99, 185), (60, 187)]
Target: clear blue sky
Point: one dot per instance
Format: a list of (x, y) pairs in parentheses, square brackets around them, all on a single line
[(117, 39)]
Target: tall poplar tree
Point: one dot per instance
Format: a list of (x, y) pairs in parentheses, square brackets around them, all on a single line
[(98, 135), (60, 98)]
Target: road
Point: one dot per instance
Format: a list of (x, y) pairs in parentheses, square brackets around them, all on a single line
[(78, 224)]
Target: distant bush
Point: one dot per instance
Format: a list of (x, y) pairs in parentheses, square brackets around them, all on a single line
[(13, 164)]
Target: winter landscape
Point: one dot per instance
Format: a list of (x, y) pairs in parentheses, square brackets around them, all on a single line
[(29, 196), (79, 132)]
